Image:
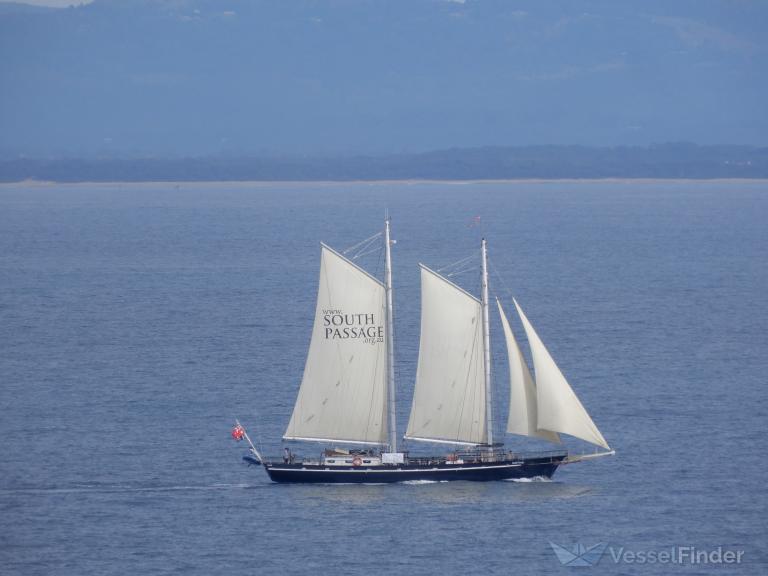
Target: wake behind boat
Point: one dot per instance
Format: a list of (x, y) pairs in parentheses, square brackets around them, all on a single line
[(347, 393)]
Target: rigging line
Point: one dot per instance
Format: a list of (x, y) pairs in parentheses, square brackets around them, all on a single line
[(499, 278), (372, 399), (462, 271), (365, 249), (370, 246), (506, 288), (367, 240), (461, 261), (464, 265), (380, 261), (498, 410), (343, 367), (466, 386), (365, 252), (259, 442)]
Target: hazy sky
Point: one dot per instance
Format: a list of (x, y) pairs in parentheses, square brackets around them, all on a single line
[(51, 3), (181, 77)]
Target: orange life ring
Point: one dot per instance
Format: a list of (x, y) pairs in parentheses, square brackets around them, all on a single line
[(357, 461)]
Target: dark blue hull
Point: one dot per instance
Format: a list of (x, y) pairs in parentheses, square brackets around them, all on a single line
[(476, 472)]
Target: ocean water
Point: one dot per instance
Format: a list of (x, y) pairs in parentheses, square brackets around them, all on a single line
[(137, 321)]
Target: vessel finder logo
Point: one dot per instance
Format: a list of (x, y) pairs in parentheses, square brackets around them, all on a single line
[(579, 555)]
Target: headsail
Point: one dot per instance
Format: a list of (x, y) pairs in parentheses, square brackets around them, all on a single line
[(343, 395), (523, 417), (559, 409), (449, 398)]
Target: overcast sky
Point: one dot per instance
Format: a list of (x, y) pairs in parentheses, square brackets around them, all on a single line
[(51, 3), (180, 77)]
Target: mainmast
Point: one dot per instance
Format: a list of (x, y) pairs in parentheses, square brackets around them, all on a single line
[(487, 347), (390, 341)]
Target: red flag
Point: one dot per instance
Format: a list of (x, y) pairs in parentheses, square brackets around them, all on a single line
[(238, 432)]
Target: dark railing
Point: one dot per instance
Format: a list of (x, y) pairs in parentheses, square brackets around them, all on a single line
[(483, 457), (466, 456)]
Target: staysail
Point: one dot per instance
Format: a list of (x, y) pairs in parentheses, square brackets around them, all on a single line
[(559, 409), (449, 398), (523, 419), (343, 394)]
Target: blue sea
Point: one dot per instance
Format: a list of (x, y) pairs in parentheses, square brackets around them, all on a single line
[(137, 321)]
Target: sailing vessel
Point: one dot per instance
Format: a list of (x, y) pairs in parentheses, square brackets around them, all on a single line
[(347, 393)]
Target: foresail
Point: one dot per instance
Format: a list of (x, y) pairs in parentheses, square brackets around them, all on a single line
[(343, 394), (523, 416), (559, 409), (449, 398)]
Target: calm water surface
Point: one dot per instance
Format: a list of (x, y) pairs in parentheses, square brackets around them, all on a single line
[(136, 321)]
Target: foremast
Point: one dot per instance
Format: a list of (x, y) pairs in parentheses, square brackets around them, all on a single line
[(486, 345), (390, 339)]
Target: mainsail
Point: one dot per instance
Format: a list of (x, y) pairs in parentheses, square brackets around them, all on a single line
[(523, 419), (343, 395), (559, 410), (449, 399)]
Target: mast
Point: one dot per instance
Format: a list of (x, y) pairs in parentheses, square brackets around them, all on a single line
[(487, 347), (390, 340)]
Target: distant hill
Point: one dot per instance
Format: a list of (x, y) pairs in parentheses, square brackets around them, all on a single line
[(547, 162)]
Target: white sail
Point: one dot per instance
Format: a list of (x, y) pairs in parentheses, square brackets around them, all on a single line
[(449, 398), (343, 394), (523, 417), (559, 409)]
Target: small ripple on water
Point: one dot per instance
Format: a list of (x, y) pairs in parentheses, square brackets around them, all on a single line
[(123, 489)]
